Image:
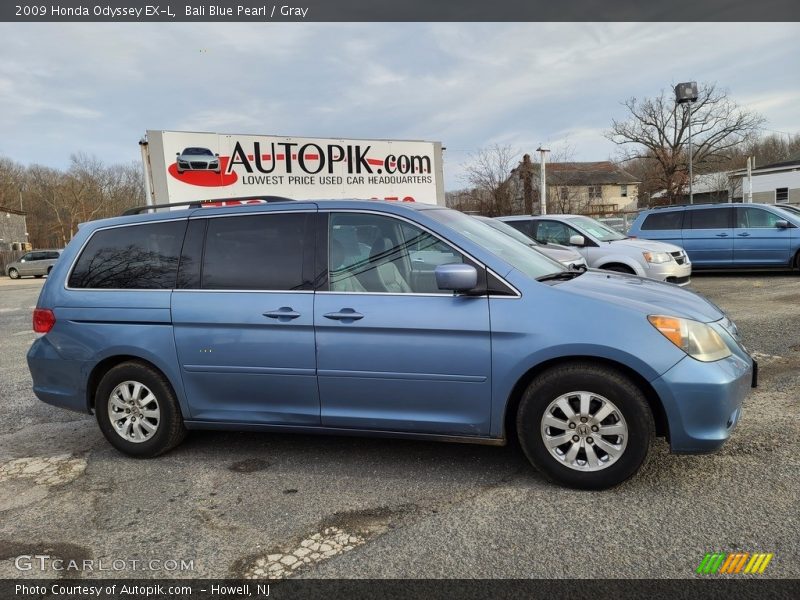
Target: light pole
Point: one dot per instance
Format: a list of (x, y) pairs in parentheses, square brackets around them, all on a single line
[(542, 180), (686, 93)]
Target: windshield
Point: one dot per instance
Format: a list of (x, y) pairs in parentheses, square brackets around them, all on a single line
[(199, 151), (792, 210), (522, 257), (596, 229), (509, 230)]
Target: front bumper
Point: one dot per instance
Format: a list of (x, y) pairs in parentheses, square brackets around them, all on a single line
[(671, 272), (703, 401)]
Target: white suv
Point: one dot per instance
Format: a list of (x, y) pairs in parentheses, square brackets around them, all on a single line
[(604, 248)]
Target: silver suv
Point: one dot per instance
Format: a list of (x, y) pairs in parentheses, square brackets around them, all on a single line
[(37, 263), (604, 248)]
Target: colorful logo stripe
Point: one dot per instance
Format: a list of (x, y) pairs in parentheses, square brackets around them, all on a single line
[(735, 562)]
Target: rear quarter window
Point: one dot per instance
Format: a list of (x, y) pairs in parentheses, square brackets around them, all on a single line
[(663, 220), (133, 257)]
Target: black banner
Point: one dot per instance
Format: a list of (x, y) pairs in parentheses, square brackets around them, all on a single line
[(722, 588), (399, 10)]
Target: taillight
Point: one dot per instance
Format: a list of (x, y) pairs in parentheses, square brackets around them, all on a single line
[(43, 320)]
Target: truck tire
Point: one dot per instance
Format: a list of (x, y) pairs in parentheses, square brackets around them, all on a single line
[(585, 425), (137, 410)]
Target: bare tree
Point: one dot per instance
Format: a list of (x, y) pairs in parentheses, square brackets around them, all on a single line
[(657, 128), (488, 173)]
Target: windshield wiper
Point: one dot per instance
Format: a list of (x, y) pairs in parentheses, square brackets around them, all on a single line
[(560, 276)]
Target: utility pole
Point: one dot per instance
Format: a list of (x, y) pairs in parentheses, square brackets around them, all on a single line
[(749, 198), (542, 180), (686, 93)]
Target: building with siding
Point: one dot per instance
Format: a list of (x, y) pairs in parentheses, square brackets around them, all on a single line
[(13, 230), (774, 183), (593, 188)]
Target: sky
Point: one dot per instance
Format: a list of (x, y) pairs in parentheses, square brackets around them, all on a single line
[(96, 88)]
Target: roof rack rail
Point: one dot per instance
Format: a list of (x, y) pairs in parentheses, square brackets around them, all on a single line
[(209, 203), (687, 204)]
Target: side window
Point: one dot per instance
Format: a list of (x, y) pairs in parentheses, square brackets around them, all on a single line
[(755, 217), (376, 253), (711, 218), (663, 220), (553, 232), (131, 258), (26, 257), (256, 252), (52, 255), (527, 227), (37, 256), (781, 195)]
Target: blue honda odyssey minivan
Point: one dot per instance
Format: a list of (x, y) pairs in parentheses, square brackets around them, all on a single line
[(382, 319), (726, 236)]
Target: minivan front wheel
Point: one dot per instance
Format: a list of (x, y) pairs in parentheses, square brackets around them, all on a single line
[(585, 426), (137, 410), (13, 273)]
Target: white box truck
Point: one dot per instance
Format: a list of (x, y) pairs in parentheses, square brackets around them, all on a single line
[(182, 166)]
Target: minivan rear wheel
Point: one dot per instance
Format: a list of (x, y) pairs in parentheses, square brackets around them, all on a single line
[(137, 410), (13, 273), (585, 426)]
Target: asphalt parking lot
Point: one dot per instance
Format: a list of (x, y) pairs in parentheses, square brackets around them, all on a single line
[(235, 504)]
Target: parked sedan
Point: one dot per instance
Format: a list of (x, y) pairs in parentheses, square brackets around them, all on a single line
[(565, 255), (34, 264), (197, 159), (604, 248)]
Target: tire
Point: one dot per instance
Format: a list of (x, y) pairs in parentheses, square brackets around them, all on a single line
[(625, 411), (49, 270), (117, 392), (38, 276), (13, 273), (619, 269)]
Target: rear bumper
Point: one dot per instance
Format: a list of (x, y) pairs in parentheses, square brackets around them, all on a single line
[(703, 401), (56, 380)]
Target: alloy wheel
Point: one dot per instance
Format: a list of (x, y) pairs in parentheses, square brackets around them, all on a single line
[(584, 431), (134, 411)]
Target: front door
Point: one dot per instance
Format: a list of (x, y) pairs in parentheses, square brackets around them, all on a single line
[(395, 353), (758, 240), (244, 321), (708, 236)]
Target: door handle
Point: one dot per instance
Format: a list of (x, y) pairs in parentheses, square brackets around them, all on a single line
[(745, 234), (346, 314), (284, 312), (722, 235)]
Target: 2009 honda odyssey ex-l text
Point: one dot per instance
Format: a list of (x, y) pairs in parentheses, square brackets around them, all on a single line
[(373, 318)]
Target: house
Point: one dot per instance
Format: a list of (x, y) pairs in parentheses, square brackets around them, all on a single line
[(13, 230), (774, 183), (709, 188), (593, 188)]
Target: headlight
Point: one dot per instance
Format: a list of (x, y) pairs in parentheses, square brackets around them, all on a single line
[(698, 340), (657, 258)]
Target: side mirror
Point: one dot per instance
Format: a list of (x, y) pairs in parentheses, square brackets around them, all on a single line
[(177, 154), (456, 277), (577, 240), (781, 224), (217, 155)]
